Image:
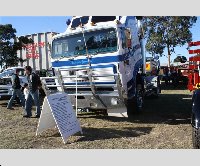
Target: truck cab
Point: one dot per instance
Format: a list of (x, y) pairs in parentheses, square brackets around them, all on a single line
[(101, 61)]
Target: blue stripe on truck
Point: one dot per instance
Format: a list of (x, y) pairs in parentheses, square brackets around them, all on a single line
[(97, 60)]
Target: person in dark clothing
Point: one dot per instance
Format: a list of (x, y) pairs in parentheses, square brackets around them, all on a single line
[(174, 77), (33, 85), (166, 77), (16, 90)]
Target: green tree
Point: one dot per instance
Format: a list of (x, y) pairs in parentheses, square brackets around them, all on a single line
[(181, 59), (167, 32), (9, 45)]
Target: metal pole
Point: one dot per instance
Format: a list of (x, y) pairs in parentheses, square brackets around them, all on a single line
[(76, 95), (60, 80)]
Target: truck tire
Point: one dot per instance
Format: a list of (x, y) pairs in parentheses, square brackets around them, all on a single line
[(196, 138), (136, 104)]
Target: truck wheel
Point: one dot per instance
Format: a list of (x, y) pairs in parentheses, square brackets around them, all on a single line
[(135, 105), (196, 137)]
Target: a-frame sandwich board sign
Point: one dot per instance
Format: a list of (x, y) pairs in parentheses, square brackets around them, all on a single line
[(57, 112)]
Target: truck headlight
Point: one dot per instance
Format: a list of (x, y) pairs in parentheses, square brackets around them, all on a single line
[(114, 101)]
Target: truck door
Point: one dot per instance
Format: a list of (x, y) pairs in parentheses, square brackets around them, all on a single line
[(127, 55)]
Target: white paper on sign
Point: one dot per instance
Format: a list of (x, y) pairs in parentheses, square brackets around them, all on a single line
[(62, 115)]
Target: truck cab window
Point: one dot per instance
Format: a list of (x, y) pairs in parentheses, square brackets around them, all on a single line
[(58, 48), (99, 41)]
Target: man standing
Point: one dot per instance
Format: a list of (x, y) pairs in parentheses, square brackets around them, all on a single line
[(33, 85), (16, 90)]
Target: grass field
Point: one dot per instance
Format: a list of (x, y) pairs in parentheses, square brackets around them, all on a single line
[(164, 123)]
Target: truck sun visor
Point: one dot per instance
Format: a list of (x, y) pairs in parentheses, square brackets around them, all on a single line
[(78, 21), (96, 19)]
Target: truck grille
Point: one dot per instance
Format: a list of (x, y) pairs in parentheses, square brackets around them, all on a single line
[(97, 71), (5, 81), (3, 91)]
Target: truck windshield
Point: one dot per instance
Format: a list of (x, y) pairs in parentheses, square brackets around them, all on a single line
[(100, 41)]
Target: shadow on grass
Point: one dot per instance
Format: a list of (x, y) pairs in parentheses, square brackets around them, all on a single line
[(15, 103), (170, 86), (92, 134), (170, 109)]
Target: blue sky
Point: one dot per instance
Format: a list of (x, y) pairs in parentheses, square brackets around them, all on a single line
[(34, 24)]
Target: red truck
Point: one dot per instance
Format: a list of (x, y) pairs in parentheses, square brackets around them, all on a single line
[(193, 74), (194, 85)]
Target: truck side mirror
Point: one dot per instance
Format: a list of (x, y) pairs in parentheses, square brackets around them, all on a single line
[(68, 22), (129, 44), (128, 38)]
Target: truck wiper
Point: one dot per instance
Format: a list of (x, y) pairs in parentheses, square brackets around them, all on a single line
[(95, 52), (59, 58), (71, 58)]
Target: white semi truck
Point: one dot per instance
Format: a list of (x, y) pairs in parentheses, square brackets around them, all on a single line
[(5, 80), (101, 60)]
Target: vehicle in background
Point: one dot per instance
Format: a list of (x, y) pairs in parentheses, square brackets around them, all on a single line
[(152, 77), (183, 74), (49, 81), (10, 71), (5, 80)]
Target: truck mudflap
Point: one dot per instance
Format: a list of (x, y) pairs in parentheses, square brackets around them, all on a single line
[(195, 120), (118, 112)]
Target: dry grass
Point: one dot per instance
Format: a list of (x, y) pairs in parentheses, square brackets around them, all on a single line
[(165, 123)]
